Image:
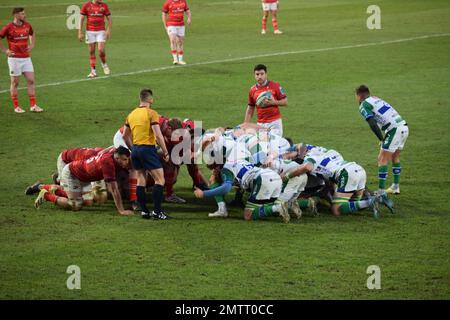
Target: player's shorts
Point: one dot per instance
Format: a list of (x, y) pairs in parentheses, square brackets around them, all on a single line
[(118, 140), (276, 127), (270, 6), (351, 178), (145, 157), (95, 36), (101, 185), (72, 184), (176, 30), (17, 66), (267, 185), (60, 164), (395, 139)]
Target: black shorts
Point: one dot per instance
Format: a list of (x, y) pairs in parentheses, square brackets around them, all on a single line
[(145, 157)]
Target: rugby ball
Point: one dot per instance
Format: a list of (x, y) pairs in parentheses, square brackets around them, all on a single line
[(262, 97)]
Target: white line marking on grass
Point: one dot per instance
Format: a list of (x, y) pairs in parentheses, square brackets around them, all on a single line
[(362, 45)]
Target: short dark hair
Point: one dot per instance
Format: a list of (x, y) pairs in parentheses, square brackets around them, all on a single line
[(17, 10), (291, 142), (362, 89), (122, 151), (175, 123), (145, 94), (260, 67)]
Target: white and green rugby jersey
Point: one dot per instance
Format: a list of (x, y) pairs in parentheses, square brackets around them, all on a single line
[(261, 145), (320, 151), (384, 114), (326, 165), (243, 171)]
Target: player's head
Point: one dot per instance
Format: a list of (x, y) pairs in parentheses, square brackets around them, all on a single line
[(122, 156), (260, 72), (146, 96), (362, 92), (173, 124), (19, 13)]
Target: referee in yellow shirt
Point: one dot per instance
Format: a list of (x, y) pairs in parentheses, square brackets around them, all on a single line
[(142, 129)]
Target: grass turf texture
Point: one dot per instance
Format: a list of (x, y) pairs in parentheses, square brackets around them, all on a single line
[(193, 257)]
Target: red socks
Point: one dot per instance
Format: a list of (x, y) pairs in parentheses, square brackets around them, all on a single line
[(275, 24), (15, 101), (133, 185)]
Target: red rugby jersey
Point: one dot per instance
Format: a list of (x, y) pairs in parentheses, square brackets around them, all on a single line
[(95, 14), (268, 113), (99, 167), (18, 37), (175, 9), (70, 155)]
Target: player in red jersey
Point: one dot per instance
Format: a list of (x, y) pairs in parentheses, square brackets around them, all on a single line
[(95, 12), (77, 176), (268, 112), (21, 40), (270, 6), (173, 20)]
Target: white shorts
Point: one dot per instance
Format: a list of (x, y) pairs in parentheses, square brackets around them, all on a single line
[(17, 66), (295, 185), (60, 164), (118, 140), (72, 184), (276, 127), (351, 178), (95, 36), (395, 139), (266, 186), (178, 31), (101, 185), (270, 6)]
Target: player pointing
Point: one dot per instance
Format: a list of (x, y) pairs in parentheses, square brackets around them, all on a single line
[(173, 20), (95, 12)]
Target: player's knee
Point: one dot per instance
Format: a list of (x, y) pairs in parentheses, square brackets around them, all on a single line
[(335, 210), (248, 214), (88, 203), (75, 204), (15, 83), (101, 197), (30, 82)]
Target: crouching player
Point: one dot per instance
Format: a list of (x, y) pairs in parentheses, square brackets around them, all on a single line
[(350, 180), (77, 176), (264, 186)]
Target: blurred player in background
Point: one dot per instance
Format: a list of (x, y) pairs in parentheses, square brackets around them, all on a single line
[(270, 6), (95, 12), (21, 40), (173, 20), (268, 113)]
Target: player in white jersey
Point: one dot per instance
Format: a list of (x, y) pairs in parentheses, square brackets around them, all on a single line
[(264, 186), (349, 177), (380, 115)]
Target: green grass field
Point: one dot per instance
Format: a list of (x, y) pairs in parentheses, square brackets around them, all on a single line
[(325, 52)]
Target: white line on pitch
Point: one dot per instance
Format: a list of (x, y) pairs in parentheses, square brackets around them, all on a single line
[(362, 45)]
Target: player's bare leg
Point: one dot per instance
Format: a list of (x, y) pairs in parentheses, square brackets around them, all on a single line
[(14, 94), (92, 60), (102, 54), (396, 170), (173, 47), (180, 50), (32, 91), (275, 23), (264, 21)]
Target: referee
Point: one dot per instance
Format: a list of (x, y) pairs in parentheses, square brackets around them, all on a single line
[(142, 126)]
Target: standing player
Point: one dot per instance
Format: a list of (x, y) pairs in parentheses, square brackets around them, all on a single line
[(173, 20), (21, 40), (267, 109), (142, 126), (96, 11), (270, 6), (381, 115)]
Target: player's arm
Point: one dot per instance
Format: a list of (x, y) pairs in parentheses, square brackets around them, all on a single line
[(114, 190), (304, 168), (80, 30), (224, 188), (249, 113), (374, 126), (128, 136), (189, 16), (32, 43), (3, 33), (160, 140), (108, 29), (164, 19)]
